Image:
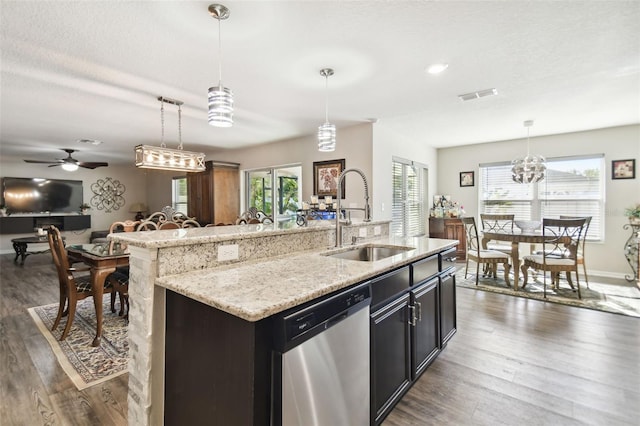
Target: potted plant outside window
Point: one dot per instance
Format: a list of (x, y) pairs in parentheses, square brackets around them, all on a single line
[(633, 213)]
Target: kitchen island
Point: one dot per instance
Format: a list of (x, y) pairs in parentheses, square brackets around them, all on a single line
[(188, 280)]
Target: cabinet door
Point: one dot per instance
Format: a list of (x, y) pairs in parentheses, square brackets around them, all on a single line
[(200, 197), (226, 194), (425, 334), (447, 305), (454, 230), (390, 356)]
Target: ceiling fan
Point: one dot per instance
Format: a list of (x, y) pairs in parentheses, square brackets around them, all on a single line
[(70, 164)]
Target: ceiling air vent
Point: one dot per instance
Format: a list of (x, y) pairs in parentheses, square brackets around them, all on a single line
[(478, 94)]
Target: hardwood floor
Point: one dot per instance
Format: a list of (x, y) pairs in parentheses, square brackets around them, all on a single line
[(512, 361), (34, 390)]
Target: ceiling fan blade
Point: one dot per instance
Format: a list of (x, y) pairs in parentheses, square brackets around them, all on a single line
[(55, 165), (44, 162), (92, 165)]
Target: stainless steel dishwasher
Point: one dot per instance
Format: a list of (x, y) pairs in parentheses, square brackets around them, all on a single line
[(321, 372)]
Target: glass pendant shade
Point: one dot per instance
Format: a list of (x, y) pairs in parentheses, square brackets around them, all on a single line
[(531, 168), (327, 137), (327, 131), (220, 97), (220, 106)]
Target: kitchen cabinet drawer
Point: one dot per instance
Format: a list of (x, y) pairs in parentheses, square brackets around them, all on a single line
[(425, 269), (387, 286)]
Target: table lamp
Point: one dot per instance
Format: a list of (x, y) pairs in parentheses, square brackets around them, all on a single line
[(138, 208)]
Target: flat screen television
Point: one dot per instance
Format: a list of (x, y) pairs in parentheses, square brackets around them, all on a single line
[(40, 195)]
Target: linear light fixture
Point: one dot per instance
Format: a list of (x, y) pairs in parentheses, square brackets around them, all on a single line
[(163, 158)]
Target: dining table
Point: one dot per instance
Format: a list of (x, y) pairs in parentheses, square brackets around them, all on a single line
[(515, 237), (101, 262)]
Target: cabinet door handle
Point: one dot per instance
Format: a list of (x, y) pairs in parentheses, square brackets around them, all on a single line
[(412, 315), (418, 309)]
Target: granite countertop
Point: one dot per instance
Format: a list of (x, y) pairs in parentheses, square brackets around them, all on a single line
[(189, 236), (254, 290)]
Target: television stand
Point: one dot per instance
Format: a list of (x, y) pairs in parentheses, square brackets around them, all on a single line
[(28, 224)]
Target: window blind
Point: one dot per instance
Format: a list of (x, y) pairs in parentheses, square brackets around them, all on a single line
[(573, 186), (408, 214)]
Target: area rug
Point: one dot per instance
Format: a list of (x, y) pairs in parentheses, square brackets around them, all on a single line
[(616, 298), (84, 364)]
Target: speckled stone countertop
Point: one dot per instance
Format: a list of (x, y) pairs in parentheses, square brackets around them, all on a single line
[(190, 236), (254, 290)]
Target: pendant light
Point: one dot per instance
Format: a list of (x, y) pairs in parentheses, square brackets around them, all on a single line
[(163, 158), (327, 131), (220, 97), (531, 168)]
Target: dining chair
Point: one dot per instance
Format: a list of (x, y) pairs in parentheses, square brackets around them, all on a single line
[(582, 244), (253, 215), (498, 223), (479, 255), (119, 279), (561, 242), (73, 287)]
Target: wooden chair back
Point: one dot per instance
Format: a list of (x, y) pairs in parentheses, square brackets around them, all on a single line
[(497, 222), (122, 226), (562, 238), (168, 218), (471, 234), (253, 215)]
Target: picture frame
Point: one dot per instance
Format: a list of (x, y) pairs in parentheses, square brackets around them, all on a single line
[(623, 169), (467, 179), (325, 178)]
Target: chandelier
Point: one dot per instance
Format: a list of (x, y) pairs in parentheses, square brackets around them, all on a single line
[(327, 131), (530, 168), (220, 97), (163, 158)]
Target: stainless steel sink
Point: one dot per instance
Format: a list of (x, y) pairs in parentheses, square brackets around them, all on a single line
[(370, 252)]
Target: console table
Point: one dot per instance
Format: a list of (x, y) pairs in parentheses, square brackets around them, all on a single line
[(20, 245)]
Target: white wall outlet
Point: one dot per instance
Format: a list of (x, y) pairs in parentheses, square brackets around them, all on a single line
[(227, 252), (377, 231), (362, 232)]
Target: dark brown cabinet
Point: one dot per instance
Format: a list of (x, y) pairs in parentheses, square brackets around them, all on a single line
[(425, 333), (391, 355), (28, 224), (214, 195), (450, 229), (448, 324)]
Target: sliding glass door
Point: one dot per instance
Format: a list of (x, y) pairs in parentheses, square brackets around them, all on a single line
[(276, 191)]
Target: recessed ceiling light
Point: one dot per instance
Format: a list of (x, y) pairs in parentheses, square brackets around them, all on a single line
[(437, 68)]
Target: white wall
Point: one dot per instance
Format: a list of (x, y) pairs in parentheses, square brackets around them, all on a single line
[(387, 143), (616, 143), (134, 181), (353, 144)]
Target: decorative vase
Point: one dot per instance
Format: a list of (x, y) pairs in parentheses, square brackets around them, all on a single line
[(634, 220)]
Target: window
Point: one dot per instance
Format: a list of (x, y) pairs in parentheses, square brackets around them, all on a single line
[(573, 186), (408, 216), (179, 194), (260, 194)]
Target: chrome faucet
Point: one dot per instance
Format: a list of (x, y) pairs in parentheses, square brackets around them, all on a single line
[(367, 209)]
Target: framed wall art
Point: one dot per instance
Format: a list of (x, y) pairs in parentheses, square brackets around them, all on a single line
[(325, 177), (466, 179), (623, 169)]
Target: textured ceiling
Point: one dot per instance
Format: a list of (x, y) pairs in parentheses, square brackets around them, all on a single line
[(92, 70)]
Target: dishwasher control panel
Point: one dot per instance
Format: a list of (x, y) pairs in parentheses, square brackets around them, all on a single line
[(306, 321)]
